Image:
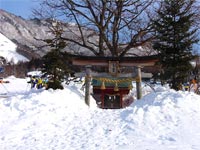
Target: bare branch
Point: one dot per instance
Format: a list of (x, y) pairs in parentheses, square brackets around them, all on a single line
[(113, 22)]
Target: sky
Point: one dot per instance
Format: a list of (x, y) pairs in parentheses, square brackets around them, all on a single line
[(21, 8), (24, 8)]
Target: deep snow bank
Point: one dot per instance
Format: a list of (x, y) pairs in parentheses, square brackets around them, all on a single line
[(169, 117), (39, 119)]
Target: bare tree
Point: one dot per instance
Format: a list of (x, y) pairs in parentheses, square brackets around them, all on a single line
[(104, 27)]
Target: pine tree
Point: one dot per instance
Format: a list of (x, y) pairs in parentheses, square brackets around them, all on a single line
[(175, 36), (56, 62)]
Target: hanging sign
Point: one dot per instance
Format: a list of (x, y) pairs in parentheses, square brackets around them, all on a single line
[(113, 67)]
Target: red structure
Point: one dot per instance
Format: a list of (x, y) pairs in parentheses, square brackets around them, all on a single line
[(112, 99), (112, 93), (111, 89)]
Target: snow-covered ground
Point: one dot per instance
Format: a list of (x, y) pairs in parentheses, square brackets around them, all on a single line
[(8, 50), (33, 119)]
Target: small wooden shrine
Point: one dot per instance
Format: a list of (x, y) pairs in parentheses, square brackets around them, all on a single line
[(111, 88), (112, 92)]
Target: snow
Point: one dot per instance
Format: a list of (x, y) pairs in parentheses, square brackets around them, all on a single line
[(8, 50), (34, 73), (32, 119)]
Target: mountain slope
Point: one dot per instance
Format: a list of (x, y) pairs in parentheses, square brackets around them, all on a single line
[(8, 50), (23, 31), (27, 34)]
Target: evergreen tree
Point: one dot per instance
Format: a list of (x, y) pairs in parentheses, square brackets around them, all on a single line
[(175, 35), (56, 62)]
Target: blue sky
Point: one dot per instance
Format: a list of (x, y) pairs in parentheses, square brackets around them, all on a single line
[(21, 8), (24, 8)]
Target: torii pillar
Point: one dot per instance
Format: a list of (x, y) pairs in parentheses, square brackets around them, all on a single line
[(87, 84), (138, 83)]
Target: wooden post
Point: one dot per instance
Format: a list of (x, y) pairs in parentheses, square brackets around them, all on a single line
[(138, 83), (87, 85), (121, 99), (102, 98)]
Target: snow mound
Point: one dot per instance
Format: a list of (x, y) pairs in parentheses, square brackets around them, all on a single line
[(41, 119)]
